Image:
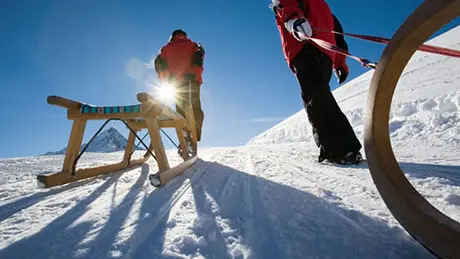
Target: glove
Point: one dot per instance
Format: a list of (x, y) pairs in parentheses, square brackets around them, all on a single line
[(300, 28), (341, 73), (190, 77)]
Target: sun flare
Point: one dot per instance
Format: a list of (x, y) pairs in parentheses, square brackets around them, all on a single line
[(166, 92)]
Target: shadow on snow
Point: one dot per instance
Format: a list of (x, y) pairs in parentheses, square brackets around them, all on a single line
[(270, 219)]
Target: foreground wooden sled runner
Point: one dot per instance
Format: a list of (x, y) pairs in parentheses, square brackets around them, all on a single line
[(436, 231), (150, 114)]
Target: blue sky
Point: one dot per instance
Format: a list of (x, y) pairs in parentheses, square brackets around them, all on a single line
[(92, 50)]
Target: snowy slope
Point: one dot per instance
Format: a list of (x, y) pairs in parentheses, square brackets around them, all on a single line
[(266, 200), (109, 140), (234, 203), (425, 109)]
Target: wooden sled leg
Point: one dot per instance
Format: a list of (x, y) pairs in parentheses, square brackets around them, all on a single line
[(73, 147), (157, 144), (161, 178), (192, 127), (129, 148)]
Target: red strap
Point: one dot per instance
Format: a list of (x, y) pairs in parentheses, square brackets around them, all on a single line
[(331, 47), (424, 47)]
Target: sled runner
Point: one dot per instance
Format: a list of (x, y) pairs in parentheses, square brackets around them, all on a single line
[(433, 229), (150, 114)]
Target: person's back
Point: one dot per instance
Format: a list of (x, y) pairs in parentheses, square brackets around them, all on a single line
[(180, 63), (180, 59)]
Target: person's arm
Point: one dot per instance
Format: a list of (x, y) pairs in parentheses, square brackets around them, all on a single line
[(197, 62), (340, 64), (160, 62), (288, 10), (294, 19), (198, 57), (339, 39)]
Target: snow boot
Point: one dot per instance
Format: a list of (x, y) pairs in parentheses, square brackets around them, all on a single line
[(189, 143), (191, 150), (350, 158)]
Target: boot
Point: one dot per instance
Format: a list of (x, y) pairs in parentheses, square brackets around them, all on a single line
[(351, 158), (189, 142)]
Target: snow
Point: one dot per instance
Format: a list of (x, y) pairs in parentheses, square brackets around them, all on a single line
[(268, 199)]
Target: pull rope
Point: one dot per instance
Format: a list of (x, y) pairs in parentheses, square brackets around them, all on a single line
[(365, 62), (382, 40), (331, 47)]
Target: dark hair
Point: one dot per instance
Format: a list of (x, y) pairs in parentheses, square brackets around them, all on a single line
[(177, 32)]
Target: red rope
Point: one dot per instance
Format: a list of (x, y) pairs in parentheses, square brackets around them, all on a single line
[(331, 47), (424, 47), (366, 63)]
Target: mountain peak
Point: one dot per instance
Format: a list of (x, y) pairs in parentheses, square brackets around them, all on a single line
[(112, 130), (109, 140)]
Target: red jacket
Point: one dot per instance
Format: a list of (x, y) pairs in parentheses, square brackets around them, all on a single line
[(181, 59), (319, 15)]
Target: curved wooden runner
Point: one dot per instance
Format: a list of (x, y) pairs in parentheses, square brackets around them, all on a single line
[(436, 231)]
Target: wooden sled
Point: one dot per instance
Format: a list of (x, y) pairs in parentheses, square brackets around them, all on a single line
[(433, 229), (150, 114)]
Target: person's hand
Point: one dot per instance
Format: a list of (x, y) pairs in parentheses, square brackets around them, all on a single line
[(300, 28), (342, 73)]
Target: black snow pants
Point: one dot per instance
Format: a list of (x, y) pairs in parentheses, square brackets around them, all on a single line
[(182, 98), (332, 131)]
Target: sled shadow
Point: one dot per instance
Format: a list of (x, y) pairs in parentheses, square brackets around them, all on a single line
[(423, 171), (63, 237), (148, 239), (237, 215), (11, 208), (270, 220), (108, 233), (417, 170)]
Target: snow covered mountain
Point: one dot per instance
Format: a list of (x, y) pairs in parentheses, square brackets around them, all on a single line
[(269, 199), (109, 140)]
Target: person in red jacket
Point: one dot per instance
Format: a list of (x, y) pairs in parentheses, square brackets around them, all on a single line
[(313, 66), (180, 63)]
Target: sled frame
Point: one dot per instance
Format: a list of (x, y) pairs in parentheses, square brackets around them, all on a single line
[(150, 114), (433, 229)]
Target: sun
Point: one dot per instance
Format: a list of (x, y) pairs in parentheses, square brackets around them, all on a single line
[(166, 92)]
